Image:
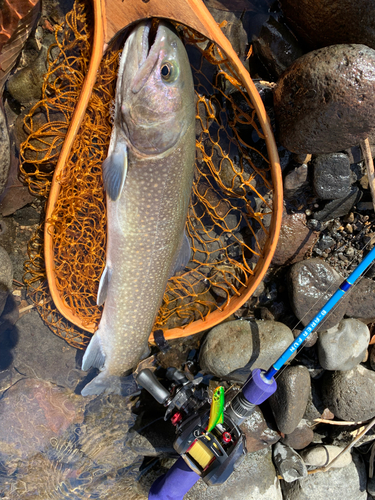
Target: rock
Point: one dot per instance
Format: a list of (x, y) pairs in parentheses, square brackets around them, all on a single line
[(301, 437), (288, 463), (347, 483), (325, 101), (25, 86), (371, 486), (343, 346), (253, 479), (320, 456), (362, 301), (258, 433), (325, 242), (321, 23), (365, 206), (310, 340), (340, 207), (332, 179), (40, 353), (238, 346), (295, 181), (372, 357), (350, 395), (295, 240), (311, 283), (6, 277), (4, 151), (288, 403), (276, 47), (315, 406)]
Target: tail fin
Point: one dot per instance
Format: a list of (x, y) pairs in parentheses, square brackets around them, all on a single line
[(111, 384)]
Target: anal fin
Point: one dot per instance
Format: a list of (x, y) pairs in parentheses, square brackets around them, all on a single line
[(183, 256), (94, 355)]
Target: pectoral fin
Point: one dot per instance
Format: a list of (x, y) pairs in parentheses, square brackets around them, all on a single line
[(103, 286), (114, 172)]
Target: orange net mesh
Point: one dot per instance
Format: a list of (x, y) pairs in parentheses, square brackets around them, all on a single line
[(231, 194)]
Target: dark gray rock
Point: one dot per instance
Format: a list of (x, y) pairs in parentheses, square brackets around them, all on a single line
[(348, 483), (350, 395), (254, 479), (295, 180), (4, 151), (311, 283), (236, 347), (301, 437), (276, 47), (325, 242), (343, 346), (332, 179), (325, 101), (288, 403), (362, 301), (288, 463), (371, 486), (340, 207), (6, 277), (323, 22)]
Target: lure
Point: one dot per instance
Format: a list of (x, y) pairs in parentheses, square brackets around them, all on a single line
[(217, 409)]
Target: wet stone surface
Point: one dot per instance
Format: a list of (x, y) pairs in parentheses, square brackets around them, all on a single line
[(325, 100)]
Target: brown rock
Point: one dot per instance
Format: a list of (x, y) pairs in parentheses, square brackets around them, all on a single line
[(323, 22), (325, 101), (295, 240), (362, 301), (301, 437)]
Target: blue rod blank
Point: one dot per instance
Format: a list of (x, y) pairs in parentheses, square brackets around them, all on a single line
[(345, 285)]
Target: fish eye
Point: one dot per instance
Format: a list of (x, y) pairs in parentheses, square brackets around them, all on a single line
[(168, 72)]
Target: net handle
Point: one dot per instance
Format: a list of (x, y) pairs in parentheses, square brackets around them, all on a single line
[(110, 17)]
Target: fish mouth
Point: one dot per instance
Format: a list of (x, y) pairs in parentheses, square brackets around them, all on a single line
[(149, 42)]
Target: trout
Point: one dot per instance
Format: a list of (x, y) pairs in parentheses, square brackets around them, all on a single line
[(147, 176)]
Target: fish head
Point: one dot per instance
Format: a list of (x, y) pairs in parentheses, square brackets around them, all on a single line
[(155, 89)]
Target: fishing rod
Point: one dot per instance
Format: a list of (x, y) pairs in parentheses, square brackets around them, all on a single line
[(213, 455)]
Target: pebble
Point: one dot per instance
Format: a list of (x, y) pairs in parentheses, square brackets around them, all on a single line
[(257, 431), (311, 283), (325, 102), (350, 395), (332, 179), (326, 241), (347, 483), (343, 346), (323, 22), (4, 151), (254, 479), (321, 455), (362, 301), (6, 277), (231, 346), (288, 463), (295, 240), (295, 181), (340, 207), (288, 403), (365, 206), (276, 47), (301, 437)]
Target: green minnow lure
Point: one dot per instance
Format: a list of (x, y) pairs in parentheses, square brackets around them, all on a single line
[(217, 409)]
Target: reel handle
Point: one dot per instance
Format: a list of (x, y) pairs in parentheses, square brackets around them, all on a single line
[(148, 381)]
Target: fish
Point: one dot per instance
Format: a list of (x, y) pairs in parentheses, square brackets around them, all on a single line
[(147, 176), (217, 409)]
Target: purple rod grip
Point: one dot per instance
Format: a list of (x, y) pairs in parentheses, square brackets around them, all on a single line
[(175, 483), (257, 388)]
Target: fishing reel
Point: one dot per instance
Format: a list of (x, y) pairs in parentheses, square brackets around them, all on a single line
[(212, 455)]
